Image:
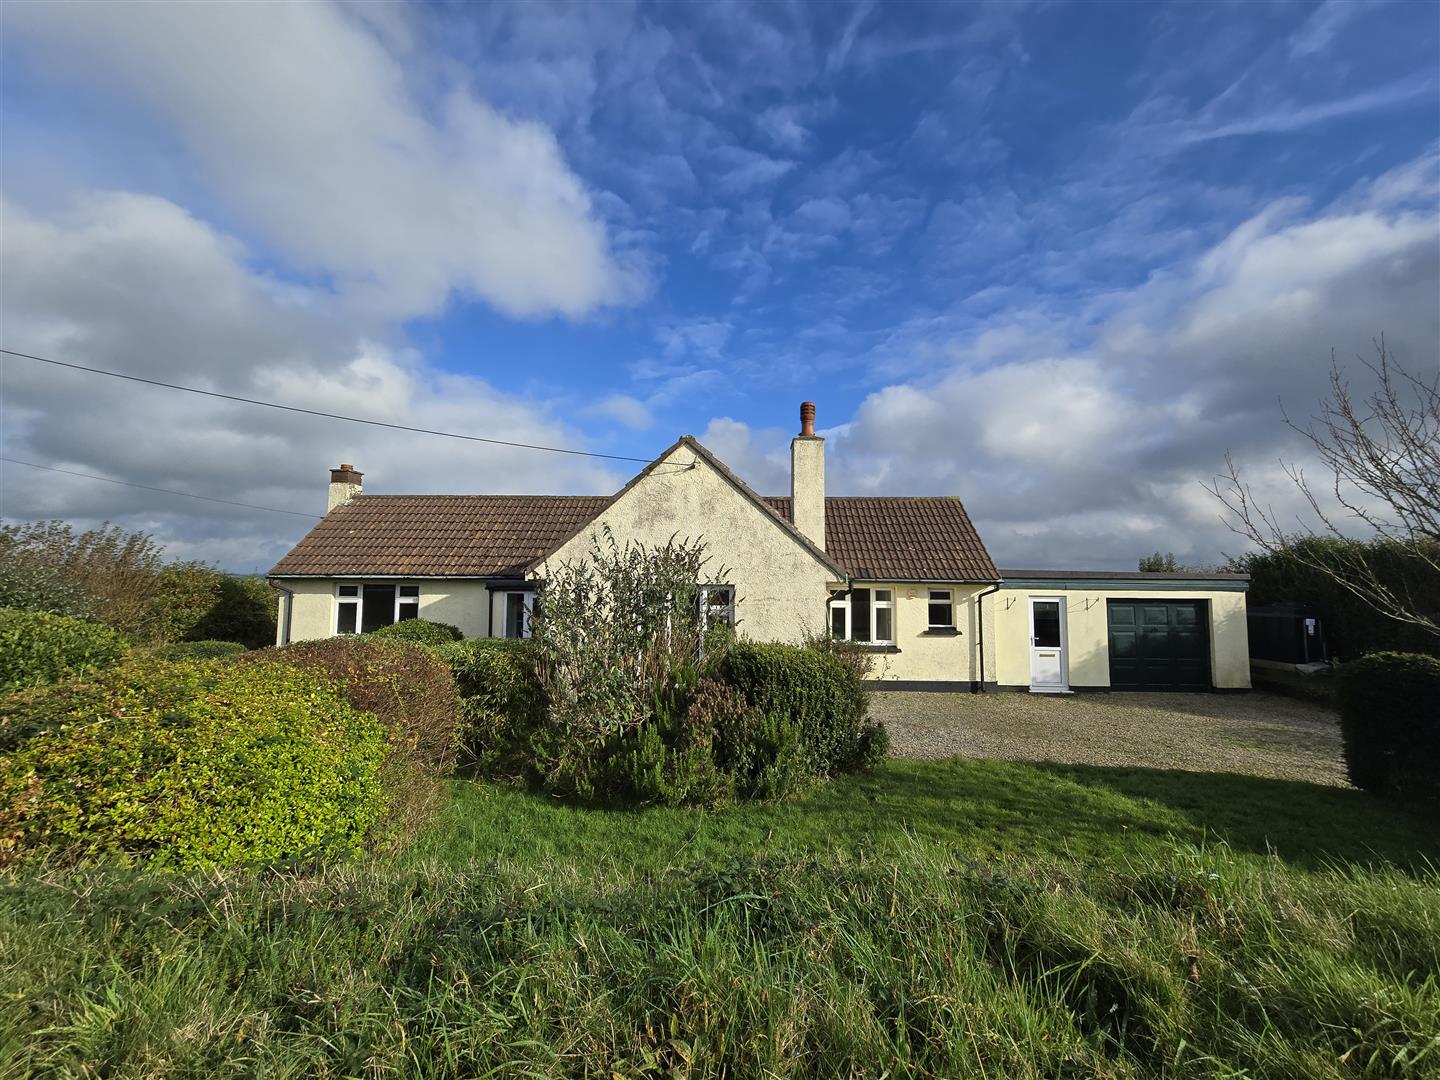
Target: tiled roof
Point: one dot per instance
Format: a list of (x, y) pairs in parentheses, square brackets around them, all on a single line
[(438, 535), (902, 539), (877, 539)]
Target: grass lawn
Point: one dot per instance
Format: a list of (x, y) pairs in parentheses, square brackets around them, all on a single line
[(933, 919), (971, 808)]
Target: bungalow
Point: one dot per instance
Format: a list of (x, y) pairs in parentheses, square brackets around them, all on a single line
[(908, 578)]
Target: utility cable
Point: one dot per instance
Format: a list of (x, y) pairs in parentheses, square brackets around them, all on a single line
[(167, 491)]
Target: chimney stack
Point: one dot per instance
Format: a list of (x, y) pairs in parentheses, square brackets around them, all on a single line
[(344, 486), (807, 478)]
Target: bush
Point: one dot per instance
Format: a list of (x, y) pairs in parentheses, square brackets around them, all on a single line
[(1390, 722), (420, 632), (413, 694), (820, 693), (215, 764), (1352, 627), (501, 702), (243, 610), (36, 648), (200, 650)]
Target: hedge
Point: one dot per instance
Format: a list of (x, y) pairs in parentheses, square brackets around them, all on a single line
[(420, 632), (501, 701), (411, 692), (36, 647), (214, 764), (201, 650), (1390, 723), (817, 691)]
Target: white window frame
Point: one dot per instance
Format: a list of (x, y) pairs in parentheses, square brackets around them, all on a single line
[(358, 602), (706, 607), (834, 604), (876, 604), (528, 603), (949, 601)]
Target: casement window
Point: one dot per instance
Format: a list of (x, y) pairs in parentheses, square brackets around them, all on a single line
[(717, 605), (516, 609), (366, 606), (865, 615), (942, 609)]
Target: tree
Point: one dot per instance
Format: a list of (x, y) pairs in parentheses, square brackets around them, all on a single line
[(1382, 453), (1158, 563)]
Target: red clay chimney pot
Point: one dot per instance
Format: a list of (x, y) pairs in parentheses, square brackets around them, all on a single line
[(807, 419)]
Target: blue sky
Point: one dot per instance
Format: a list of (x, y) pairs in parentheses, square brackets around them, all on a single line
[(1056, 259)]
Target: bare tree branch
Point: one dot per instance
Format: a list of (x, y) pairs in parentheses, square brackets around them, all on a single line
[(1383, 455)]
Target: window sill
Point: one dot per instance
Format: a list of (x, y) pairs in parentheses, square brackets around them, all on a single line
[(867, 647), (941, 631)]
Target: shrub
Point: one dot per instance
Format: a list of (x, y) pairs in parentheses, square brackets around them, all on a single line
[(420, 632), (413, 694), (36, 647), (820, 692), (200, 650), (501, 702), (1390, 722), (243, 610), (214, 764)]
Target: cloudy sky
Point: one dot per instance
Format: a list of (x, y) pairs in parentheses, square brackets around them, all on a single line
[(1055, 259)]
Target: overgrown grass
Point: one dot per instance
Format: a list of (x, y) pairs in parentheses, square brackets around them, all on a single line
[(948, 919)]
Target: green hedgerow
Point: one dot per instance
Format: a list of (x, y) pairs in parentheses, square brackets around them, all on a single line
[(36, 647), (420, 632), (413, 694), (501, 702), (1390, 722), (200, 650), (189, 764)]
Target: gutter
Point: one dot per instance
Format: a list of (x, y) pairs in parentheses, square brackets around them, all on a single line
[(289, 607), (980, 626)]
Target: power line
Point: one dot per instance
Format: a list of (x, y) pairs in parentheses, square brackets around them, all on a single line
[(327, 415), (167, 491)]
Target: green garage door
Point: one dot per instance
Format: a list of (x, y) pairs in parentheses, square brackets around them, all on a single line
[(1159, 645)]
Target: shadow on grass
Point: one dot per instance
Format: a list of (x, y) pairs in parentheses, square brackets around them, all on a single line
[(972, 807), (1305, 824)]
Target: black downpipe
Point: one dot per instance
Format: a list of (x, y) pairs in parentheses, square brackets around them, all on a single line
[(980, 632)]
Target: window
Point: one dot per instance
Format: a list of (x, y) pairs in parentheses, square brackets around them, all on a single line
[(717, 605), (942, 610), (883, 631), (516, 609), (866, 615), (360, 609)]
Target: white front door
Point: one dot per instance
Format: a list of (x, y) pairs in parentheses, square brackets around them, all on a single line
[(1047, 644)]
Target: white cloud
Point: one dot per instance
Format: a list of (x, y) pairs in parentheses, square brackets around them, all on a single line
[(1079, 442), (134, 283), (623, 409), (398, 187)]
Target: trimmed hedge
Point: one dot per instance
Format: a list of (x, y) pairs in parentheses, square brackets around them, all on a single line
[(214, 764), (501, 702), (413, 694), (201, 650), (36, 648), (419, 632), (1390, 722), (818, 692)]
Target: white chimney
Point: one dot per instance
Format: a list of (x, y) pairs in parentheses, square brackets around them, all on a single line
[(807, 478), (344, 486)]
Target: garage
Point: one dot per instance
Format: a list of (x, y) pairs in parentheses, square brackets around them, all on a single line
[(1062, 631), (1159, 644)]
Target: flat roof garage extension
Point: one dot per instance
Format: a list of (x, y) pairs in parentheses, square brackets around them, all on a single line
[(1058, 631)]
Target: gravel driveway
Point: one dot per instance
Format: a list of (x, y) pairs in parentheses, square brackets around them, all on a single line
[(1255, 733)]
